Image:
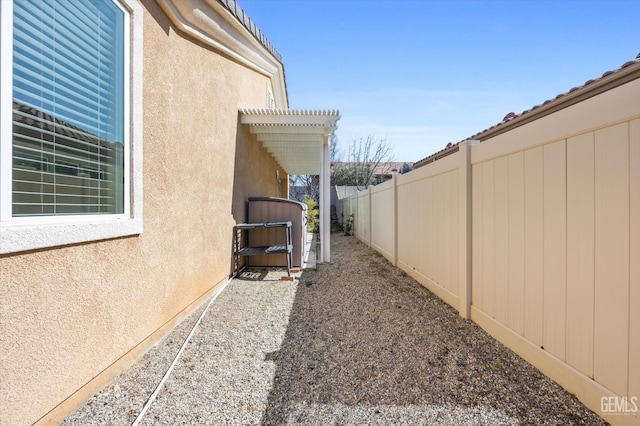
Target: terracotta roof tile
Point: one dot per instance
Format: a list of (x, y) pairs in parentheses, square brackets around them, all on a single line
[(451, 148)]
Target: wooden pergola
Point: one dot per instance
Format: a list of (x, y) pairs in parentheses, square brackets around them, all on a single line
[(300, 141)]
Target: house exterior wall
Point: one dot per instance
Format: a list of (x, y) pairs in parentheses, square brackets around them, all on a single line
[(74, 316), (554, 235)]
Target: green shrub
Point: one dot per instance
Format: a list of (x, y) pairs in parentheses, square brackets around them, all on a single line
[(313, 223)]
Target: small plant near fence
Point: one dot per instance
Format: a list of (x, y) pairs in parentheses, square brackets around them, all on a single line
[(313, 223), (347, 224)]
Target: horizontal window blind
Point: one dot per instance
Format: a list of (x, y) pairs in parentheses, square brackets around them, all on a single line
[(68, 107)]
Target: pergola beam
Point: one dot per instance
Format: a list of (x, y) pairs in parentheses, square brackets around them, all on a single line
[(294, 129), (289, 117), (285, 138)]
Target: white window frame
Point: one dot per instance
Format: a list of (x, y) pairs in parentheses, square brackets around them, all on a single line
[(18, 234)]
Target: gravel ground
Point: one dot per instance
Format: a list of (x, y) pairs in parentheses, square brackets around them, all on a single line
[(356, 342)]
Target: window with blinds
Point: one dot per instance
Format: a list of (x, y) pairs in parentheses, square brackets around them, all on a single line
[(68, 107)]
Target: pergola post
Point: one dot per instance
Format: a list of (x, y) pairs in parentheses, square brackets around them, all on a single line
[(325, 202)]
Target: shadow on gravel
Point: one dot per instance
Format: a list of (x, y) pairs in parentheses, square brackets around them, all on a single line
[(365, 343)]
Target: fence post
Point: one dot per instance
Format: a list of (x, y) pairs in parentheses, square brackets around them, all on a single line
[(354, 209), (370, 221), (395, 219), (465, 221)]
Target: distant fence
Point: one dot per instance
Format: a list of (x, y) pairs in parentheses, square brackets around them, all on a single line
[(534, 234)]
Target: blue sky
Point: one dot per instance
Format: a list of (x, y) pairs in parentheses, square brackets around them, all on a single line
[(422, 73)]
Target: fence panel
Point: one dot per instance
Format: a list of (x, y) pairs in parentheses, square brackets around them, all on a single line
[(516, 274), (634, 257), (580, 251), (428, 226), (534, 245), (612, 257), (383, 222), (555, 250), (362, 217), (552, 255)]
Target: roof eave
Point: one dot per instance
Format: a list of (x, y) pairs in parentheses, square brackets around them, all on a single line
[(223, 26)]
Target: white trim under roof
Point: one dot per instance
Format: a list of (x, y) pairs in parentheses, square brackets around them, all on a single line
[(300, 141)]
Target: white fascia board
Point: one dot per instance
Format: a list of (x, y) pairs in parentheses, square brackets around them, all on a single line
[(302, 156), (289, 119), (293, 130), (292, 146), (286, 138)]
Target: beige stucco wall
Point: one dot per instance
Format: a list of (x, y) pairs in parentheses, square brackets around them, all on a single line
[(76, 313)]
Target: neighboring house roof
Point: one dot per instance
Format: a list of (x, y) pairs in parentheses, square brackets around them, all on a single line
[(627, 72), (35, 120), (390, 167), (384, 168)]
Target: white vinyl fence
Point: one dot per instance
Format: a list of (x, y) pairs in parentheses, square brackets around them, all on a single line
[(535, 235)]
